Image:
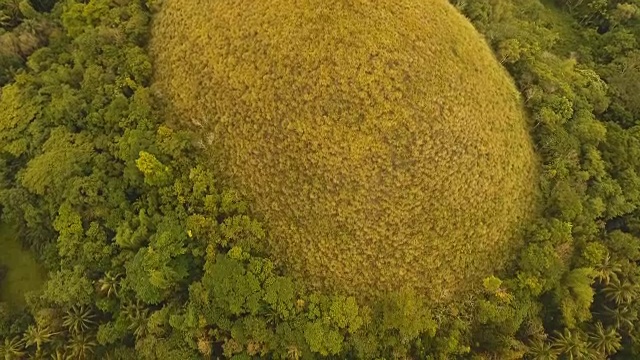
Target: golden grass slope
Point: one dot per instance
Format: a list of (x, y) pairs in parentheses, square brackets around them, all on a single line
[(381, 141)]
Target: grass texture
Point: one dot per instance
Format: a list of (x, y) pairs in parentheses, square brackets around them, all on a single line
[(23, 273), (381, 141)]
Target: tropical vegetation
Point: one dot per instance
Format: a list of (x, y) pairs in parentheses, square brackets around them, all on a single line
[(155, 248)]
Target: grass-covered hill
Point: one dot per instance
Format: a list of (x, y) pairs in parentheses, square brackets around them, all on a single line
[(150, 253), (382, 141)]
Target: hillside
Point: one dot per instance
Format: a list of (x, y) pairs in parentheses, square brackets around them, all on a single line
[(381, 150)]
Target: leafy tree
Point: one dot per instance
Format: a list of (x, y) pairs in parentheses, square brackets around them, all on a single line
[(322, 339), (234, 290), (69, 287), (575, 296), (154, 171), (65, 155)]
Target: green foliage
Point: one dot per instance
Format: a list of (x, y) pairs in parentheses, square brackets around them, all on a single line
[(575, 296), (12, 348), (573, 345), (22, 31), (155, 173), (64, 156), (541, 350), (404, 314), (78, 319), (152, 256), (322, 339), (233, 290), (605, 340), (68, 287)]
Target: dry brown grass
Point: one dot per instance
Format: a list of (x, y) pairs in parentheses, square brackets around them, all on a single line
[(381, 140)]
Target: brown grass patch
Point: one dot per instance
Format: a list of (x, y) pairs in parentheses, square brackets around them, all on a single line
[(381, 140)]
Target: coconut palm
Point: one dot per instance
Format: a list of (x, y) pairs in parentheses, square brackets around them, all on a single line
[(5, 19), (272, 316), (78, 319), (81, 346), (620, 292), (573, 345), (109, 284), (605, 340), (607, 271), (11, 11), (58, 354), (12, 348), (37, 335), (621, 317), (539, 349), (138, 316)]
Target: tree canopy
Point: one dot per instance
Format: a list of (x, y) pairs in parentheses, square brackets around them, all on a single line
[(152, 253)]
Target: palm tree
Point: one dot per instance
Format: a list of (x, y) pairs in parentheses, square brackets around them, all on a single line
[(5, 20), (620, 292), (539, 349), (109, 284), (607, 271), (573, 346), (272, 316), (78, 319), (12, 348), (81, 346), (138, 316), (620, 317), (59, 354), (37, 335), (605, 340), (11, 11)]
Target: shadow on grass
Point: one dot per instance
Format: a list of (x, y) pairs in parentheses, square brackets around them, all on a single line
[(19, 271)]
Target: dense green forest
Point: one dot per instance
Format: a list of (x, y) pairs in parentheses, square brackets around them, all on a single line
[(149, 255)]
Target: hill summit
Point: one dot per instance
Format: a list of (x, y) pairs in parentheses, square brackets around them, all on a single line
[(381, 141)]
